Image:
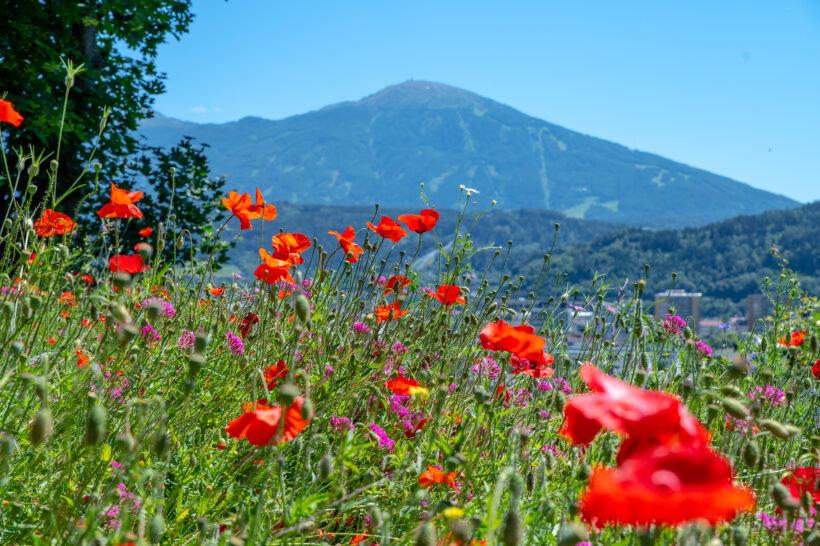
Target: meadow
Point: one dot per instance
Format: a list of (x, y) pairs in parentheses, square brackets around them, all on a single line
[(335, 396)]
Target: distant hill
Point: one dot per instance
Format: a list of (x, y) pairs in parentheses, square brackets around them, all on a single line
[(381, 147), (726, 260)]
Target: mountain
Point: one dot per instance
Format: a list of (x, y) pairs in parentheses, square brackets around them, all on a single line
[(380, 148), (726, 260)]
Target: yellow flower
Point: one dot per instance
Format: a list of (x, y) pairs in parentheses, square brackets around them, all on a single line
[(419, 391), (452, 512)]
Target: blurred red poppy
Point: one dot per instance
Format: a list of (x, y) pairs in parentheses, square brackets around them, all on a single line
[(518, 340), (434, 476), (815, 370), (289, 247), (401, 384), (802, 481), (352, 250), (448, 294), (217, 291), (274, 373), (53, 223), (145, 232), (121, 204), (389, 312), (395, 283), (87, 278), (538, 370), (795, 340), (665, 486), (82, 358), (129, 264), (247, 323), (422, 222), (261, 426), (8, 114), (389, 229)]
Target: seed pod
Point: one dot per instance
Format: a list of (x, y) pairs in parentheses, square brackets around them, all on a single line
[(95, 425), (782, 498), (126, 442), (302, 307), (570, 534), (512, 532), (775, 429), (735, 408), (426, 534), (687, 333), (156, 528), (41, 426), (740, 537), (751, 453), (325, 467)]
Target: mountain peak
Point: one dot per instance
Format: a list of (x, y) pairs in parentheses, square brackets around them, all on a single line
[(423, 93)]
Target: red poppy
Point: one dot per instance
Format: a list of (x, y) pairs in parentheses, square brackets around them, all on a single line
[(273, 270), (53, 223), (66, 297), (815, 370), (267, 212), (422, 222), (434, 476), (665, 486), (389, 229), (538, 370), (8, 114), (130, 264), (501, 389), (395, 283), (82, 358), (289, 247), (239, 205), (121, 204), (411, 429), (389, 312), (448, 294), (145, 232), (401, 384), (803, 480), (274, 373), (217, 291), (359, 538), (795, 341), (87, 278), (352, 250), (646, 417), (518, 340), (247, 323), (261, 426)]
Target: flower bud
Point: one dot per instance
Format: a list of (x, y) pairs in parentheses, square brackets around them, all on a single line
[(156, 528), (512, 533), (126, 442), (426, 535), (95, 425), (307, 409), (41, 426), (570, 534), (775, 429), (201, 340), (751, 453), (301, 306), (325, 467), (287, 393), (782, 498), (735, 408)]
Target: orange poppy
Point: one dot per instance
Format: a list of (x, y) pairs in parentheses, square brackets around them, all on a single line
[(389, 229), (242, 207), (8, 114), (66, 297), (273, 270), (395, 283), (82, 358), (145, 232), (352, 250), (217, 291), (422, 222), (275, 372), (518, 340), (795, 341), (401, 384), (448, 294), (129, 264), (121, 204), (289, 247), (53, 223), (434, 476), (261, 426), (389, 312)]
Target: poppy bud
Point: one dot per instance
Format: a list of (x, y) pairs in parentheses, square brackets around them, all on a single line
[(325, 467), (33, 171), (570, 534), (126, 442), (740, 537), (530, 481), (156, 528), (121, 280), (461, 530), (95, 425), (735, 408), (640, 376), (792, 430), (7, 445), (302, 307), (307, 409), (16, 349), (201, 340), (145, 251), (582, 472), (154, 310), (640, 285), (41, 426), (763, 344), (426, 534), (687, 333), (195, 363), (287, 393), (97, 167), (127, 333), (161, 444), (558, 401), (782, 498), (775, 429), (813, 539), (512, 533), (751, 453), (549, 461)]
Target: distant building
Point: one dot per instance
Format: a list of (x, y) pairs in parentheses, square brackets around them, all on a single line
[(686, 304), (758, 307)]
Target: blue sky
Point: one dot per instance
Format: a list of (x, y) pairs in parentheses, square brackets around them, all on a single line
[(732, 87)]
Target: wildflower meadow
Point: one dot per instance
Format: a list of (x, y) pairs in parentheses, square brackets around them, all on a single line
[(338, 395)]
